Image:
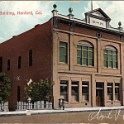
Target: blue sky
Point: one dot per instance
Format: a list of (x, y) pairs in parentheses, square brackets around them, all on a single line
[(13, 25)]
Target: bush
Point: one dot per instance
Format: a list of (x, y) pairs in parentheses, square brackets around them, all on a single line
[(39, 91), (5, 87)]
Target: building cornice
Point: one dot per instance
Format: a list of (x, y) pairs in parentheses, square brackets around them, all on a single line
[(84, 24)]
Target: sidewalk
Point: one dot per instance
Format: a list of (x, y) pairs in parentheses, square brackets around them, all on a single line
[(81, 109)]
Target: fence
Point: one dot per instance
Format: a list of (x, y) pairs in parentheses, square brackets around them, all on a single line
[(33, 106), (4, 106)]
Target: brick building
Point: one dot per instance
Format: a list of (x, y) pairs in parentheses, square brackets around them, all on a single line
[(84, 59)]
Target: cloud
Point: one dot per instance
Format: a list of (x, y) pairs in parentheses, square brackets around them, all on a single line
[(114, 9), (1, 38), (14, 25), (116, 12)]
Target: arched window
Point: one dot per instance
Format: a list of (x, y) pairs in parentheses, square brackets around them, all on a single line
[(8, 64), (1, 63), (30, 57), (110, 57), (19, 62), (85, 53)]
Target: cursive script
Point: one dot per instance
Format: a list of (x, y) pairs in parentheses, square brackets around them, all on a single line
[(112, 114)]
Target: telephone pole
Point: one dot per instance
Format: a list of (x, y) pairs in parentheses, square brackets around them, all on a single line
[(91, 5)]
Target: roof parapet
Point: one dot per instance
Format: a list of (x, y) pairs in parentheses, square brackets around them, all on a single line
[(120, 28), (54, 11), (71, 16)]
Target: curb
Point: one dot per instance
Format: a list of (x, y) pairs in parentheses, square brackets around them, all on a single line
[(54, 111)]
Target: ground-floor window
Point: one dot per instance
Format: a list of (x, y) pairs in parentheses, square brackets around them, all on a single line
[(74, 90), (85, 91), (110, 91), (64, 89), (117, 91)]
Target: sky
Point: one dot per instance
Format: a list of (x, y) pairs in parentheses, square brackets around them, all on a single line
[(13, 23)]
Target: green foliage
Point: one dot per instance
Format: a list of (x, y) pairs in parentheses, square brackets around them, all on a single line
[(5, 87), (39, 91)]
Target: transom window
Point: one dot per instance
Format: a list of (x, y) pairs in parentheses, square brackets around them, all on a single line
[(85, 53), (110, 57)]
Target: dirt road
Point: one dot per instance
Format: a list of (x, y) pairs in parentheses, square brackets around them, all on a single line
[(112, 116)]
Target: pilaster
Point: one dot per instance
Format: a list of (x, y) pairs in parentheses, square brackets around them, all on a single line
[(93, 90)]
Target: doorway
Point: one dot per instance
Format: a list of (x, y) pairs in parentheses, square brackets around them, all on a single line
[(99, 94)]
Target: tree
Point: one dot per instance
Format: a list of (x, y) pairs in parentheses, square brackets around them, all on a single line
[(5, 87), (39, 91)]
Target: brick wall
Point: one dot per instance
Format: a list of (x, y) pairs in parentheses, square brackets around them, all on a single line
[(39, 40), (88, 31)]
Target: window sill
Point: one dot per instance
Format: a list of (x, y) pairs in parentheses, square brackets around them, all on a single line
[(63, 63), (84, 66), (117, 101), (85, 102), (74, 102), (66, 102), (110, 101), (110, 68)]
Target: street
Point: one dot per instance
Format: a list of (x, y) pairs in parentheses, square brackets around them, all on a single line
[(112, 116)]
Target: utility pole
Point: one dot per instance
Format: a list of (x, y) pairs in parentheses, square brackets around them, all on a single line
[(91, 5)]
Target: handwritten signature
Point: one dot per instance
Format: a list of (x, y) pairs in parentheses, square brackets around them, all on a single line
[(112, 114)]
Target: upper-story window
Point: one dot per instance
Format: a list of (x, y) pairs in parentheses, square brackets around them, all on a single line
[(30, 57), (85, 53), (8, 64), (110, 57), (63, 52), (19, 62)]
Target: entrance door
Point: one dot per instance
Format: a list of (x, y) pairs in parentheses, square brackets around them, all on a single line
[(99, 94)]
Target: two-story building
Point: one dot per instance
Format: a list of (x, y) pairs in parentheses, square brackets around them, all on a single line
[(83, 58)]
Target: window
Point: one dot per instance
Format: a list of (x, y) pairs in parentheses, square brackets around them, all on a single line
[(19, 62), (117, 91), (110, 91), (8, 64), (18, 93), (85, 54), (30, 57), (63, 52), (110, 57), (64, 90), (85, 91), (74, 91), (1, 61)]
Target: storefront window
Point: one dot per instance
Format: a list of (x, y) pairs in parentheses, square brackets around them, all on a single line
[(85, 91), (117, 91), (64, 90), (74, 91), (110, 91)]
